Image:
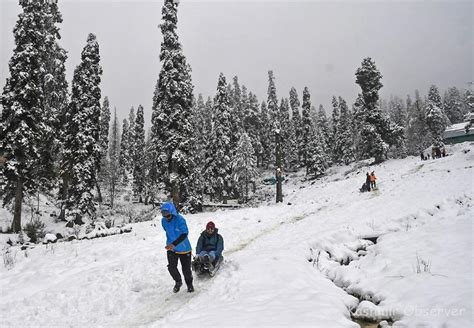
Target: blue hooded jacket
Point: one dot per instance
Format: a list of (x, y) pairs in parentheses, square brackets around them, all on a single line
[(174, 229)]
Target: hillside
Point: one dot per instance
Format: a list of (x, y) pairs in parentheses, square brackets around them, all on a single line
[(311, 263)]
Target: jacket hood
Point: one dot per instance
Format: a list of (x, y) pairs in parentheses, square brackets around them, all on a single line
[(169, 207)]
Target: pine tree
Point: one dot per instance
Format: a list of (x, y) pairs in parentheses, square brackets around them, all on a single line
[(344, 141), (308, 132), (285, 132), (468, 102), (316, 158), (245, 168), (138, 159), (103, 143), (265, 136), (131, 140), (124, 159), (114, 153), (172, 106), (236, 113), (418, 135), (375, 133), (398, 116), (323, 126), (252, 125), (297, 125), (23, 99), (55, 98), (335, 151), (453, 105), (218, 156), (104, 129), (435, 118), (272, 103), (81, 148)]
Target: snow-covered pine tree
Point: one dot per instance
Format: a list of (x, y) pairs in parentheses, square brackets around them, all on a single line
[(375, 132), (265, 136), (453, 105), (172, 106), (272, 103), (316, 158), (357, 124), (398, 116), (468, 101), (335, 152), (297, 126), (218, 156), (285, 132), (103, 144), (55, 98), (124, 160), (236, 117), (132, 118), (245, 166), (104, 129), (273, 115), (238, 111), (325, 133), (435, 118), (138, 159), (344, 140), (22, 120), (82, 125), (252, 125), (418, 135), (114, 153), (308, 131)]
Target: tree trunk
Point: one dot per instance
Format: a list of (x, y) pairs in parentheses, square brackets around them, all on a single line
[(16, 224), (99, 194)]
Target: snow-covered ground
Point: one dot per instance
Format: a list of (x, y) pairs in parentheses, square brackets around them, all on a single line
[(304, 264)]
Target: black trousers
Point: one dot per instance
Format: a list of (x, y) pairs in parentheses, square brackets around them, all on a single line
[(185, 266)]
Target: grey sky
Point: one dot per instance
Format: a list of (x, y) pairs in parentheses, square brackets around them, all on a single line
[(318, 44)]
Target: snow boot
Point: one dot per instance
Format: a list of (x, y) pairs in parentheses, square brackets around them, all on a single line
[(177, 286), (190, 289)]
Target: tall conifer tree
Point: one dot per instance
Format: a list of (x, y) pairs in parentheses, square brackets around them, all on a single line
[(23, 121), (172, 105), (138, 159), (81, 149), (219, 155)]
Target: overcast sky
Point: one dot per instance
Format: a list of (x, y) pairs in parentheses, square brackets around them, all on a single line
[(318, 44)]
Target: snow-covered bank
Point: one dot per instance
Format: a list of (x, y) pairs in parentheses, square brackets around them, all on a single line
[(273, 275)]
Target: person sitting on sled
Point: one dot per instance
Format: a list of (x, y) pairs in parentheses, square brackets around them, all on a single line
[(210, 245)]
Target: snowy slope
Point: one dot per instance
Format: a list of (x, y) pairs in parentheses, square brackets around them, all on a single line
[(286, 265)]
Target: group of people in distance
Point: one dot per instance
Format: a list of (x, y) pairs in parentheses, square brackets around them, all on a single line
[(209, 246), (370, 182)]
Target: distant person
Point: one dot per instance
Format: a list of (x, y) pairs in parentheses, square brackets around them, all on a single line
[(444, 152), (178, 246), (422, 156), (373, 184), (210, 244), (367, 181)]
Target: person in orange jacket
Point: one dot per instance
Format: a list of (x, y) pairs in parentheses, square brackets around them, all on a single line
[(372, 180)]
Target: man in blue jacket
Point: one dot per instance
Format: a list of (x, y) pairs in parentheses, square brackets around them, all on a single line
[(177, 245)]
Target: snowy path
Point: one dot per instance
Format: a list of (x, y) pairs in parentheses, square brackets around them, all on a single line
[(267, 279)]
